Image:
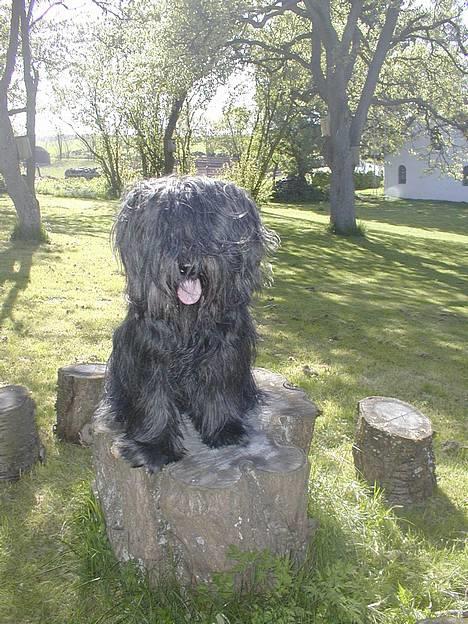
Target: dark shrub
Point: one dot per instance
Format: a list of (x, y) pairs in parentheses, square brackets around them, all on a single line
[(296, 189)]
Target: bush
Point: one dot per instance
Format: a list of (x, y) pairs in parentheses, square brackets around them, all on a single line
[(73, 187), (297, 189), (248, 175), (367, 180), (322, 180)]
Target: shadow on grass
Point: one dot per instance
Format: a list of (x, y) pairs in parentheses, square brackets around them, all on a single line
[(427, 215), (15, 269), (437, 521), (431, 216), (41, 555), (367, 306), (84, 224)]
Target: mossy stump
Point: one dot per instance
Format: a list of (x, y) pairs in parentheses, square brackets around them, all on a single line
[(79, 390), (186, 518), (393, 449), (20, 447)]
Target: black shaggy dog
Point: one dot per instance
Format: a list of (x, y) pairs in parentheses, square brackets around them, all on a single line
[(191, 248)]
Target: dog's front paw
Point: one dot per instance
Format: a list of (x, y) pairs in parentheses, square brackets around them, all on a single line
[(152, 457)]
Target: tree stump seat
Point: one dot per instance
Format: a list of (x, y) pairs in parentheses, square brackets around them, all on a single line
[(393, 449), (20, 447), (188, 516), (79, 390)]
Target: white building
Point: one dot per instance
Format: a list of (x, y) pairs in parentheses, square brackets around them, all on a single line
[(408, 174)]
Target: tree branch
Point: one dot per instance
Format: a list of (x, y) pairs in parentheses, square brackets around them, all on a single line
[(316, 63), (17, 111), (271, 11), (462, 126), (383, 44), (283, 52), (44, 13), (351, 25), (320, 15), (12, 50)]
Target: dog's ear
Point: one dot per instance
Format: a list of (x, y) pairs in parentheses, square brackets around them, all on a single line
[(128, 235)]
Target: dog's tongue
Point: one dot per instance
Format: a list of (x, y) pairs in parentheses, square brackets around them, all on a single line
[(189, 291)]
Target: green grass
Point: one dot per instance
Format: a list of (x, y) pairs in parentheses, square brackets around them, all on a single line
[(385, 314)]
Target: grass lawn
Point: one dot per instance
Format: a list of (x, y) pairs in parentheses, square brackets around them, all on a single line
[(381, 315)]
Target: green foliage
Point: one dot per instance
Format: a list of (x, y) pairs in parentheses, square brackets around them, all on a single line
[(250, 176)]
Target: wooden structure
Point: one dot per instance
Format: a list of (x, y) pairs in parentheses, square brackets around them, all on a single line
[(393, 448), (185, 518), (79, 390), (20, 447)]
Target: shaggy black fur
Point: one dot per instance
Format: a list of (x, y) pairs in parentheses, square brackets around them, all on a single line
[(192, 250)]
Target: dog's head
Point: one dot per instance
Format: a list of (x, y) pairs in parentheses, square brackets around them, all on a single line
[(190, 241)]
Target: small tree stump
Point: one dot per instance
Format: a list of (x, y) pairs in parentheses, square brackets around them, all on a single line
[(186, 517), (79, 390), (393, 448), (19, 440)]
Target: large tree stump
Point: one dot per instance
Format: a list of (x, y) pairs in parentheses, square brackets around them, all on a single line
[(79, 390), (20, 447), (186, 518), (288, 414), (393, 448)]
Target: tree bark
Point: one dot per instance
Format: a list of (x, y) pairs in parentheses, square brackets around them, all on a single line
[(20, 447), (31, 82), (169, 154), (22, 195), (79, 390), (393, 449), (253, 497), (26, 204), (342, 206)]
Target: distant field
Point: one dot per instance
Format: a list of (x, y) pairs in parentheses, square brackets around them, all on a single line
[(57, 168), (345, 318)]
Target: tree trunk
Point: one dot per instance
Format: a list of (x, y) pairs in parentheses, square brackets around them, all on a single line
[(169, 153), (31, 81), (342, 208), (26, 204)]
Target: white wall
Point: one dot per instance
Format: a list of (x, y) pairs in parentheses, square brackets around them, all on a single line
[(420, 183)]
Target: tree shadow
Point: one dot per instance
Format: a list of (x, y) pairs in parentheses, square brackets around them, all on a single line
[(437, 520), (15, 269), (428, 216), (97, 225)]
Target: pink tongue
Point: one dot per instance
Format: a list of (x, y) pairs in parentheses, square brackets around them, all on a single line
[(189, 291)]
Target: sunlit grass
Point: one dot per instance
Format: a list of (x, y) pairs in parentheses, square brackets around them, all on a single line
[(346, 318)]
